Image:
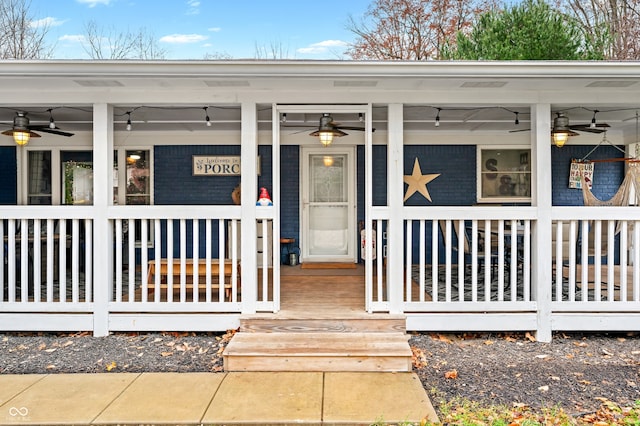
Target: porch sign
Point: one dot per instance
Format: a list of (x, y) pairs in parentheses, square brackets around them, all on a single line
[(579, 169), (218, 165)]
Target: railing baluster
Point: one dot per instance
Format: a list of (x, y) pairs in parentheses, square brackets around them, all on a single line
[(37, 260), (75, 259), (526, 261), (183, 260), (461, 259), (501, 254), (623, 261), (207, 254), (488, 260), (559, 260), (195, 256), (408, 265), (88, 271), (118, 259), (157, 254), (474, 260), (610, 260), (170, 252), (422, 255), (572, 260), (597, 259), (435, 273), (24, 260), (51, 263), (62, 255), (144, 257), (448, 255), (132, 260)]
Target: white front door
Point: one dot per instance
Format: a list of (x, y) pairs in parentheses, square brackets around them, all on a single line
[(328, 205)]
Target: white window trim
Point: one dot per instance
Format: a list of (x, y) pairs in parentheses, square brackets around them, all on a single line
[(513, 199)]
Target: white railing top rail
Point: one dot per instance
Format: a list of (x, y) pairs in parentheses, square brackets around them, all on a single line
[(596, 213), (174, 212), (469, 213), (46, 212)]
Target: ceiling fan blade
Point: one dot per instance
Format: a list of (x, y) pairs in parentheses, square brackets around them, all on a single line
[(55, 131), (361, 129)]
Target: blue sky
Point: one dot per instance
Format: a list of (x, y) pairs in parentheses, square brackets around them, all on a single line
[(190, 29)]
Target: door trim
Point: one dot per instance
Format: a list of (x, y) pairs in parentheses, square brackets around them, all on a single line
[(351, 153)]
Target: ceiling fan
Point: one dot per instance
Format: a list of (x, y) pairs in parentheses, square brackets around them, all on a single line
[(22, 130), (328, 129), (561, 123)]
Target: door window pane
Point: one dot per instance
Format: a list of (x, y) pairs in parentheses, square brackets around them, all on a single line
[(39, 177)]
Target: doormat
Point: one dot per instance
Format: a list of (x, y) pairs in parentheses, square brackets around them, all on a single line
[(328, 265)]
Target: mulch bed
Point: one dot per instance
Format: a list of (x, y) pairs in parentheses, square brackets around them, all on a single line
[(575, 371)]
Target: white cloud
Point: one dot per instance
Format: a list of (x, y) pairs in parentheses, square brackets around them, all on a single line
[(47, 22), (214, 29), (94, 3), (183, 38), (193, 7), (74, 38), (322, 47)]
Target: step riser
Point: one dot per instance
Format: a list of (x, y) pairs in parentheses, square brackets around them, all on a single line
[(322, 325), (311, 363)]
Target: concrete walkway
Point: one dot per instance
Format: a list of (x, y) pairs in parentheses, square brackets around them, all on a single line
[(213, 398)]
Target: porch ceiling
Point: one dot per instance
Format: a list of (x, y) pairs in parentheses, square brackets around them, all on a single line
[(455, 84)]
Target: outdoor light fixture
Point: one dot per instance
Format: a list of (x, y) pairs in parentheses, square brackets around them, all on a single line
[(517, 121), (21, 132), (52, 123), (593, 120), (437, 123), (561, 131), (206, 118), (327, 131), (129, 121)]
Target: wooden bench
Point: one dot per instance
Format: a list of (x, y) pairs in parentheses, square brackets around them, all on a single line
[(202, 269)]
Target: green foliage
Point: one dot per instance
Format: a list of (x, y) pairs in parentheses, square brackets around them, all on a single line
[(531, 30)]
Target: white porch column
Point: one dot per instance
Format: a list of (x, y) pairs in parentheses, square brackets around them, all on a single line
[(541, 198), (395, 183), (102, 232), (249, 195)]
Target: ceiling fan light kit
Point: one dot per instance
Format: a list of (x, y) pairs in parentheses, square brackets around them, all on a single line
[(327, 131), (561, 130), (22, 131)]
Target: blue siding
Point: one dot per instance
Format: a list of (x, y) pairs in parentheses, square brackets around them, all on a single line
[(8, 175), (607, 177)]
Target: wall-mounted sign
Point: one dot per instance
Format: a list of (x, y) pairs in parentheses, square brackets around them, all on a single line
[(218, 165)]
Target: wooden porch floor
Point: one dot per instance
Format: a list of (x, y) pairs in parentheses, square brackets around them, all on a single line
[(323, 292)]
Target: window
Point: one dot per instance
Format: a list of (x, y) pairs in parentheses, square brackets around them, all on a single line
[(504, 174), (39, 178), (138, 178)]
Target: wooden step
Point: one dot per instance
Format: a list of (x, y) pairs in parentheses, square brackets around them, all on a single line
[(318, 352), (366, 323)]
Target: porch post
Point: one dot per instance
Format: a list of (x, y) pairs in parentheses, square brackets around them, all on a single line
[(395, 239), (248, 197), (102, 199), (541, 236)]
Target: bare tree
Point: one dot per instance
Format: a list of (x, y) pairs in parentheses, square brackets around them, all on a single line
[(217, 56), (612, 24), (108, 43), (19, 37), (412, 29), (275, 50)]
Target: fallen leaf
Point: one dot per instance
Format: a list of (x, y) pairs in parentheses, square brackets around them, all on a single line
[(418, 358), (166, 353), (556, 378), (442, 338), (112, 365), (543, 388), (606, 352), (581, 344), (530, 337), (543, 356), (451, 374), (67, 343), (584, 382), (489, 342), (50, 367), (42, 346), (50, 350)]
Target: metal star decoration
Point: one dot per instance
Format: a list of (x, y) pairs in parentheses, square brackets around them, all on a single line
[(418, 182)]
